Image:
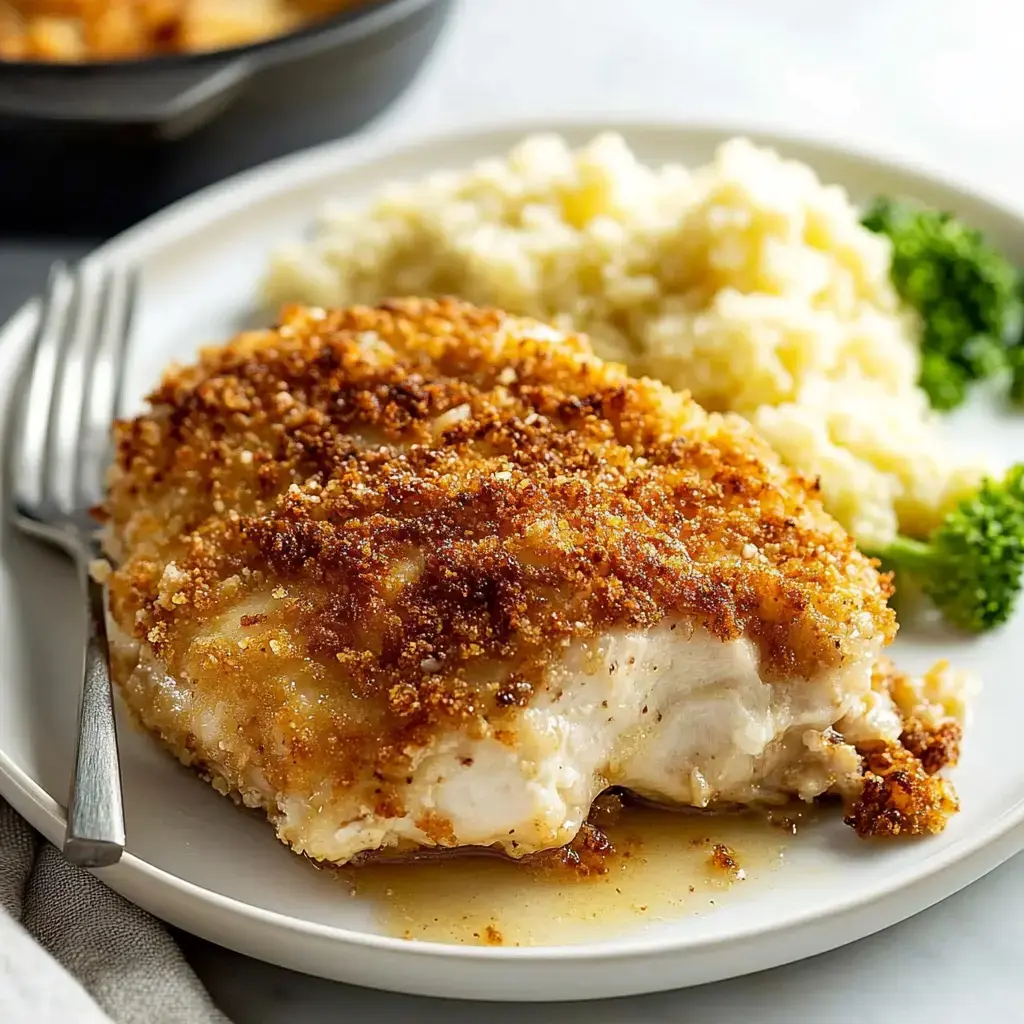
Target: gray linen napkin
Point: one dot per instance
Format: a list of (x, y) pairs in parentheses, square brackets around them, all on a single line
[(124, 966)]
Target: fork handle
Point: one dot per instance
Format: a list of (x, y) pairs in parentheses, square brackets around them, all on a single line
[(95, 830)]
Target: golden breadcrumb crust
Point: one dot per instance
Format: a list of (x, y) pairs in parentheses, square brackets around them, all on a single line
[(899, 796), (414, 508), (936, 748), (902, 792)]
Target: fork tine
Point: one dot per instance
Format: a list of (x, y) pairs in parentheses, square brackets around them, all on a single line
[(103, 383), (31, 434), (64, 460)]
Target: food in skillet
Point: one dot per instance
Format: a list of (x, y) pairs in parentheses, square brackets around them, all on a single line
[(83, 30), (430, 575)]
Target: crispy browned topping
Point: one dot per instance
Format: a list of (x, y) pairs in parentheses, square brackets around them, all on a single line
[(437, 829), (607, 809), (899, 796), (587, 856), (936, 748), (416, 507), (724, 859)]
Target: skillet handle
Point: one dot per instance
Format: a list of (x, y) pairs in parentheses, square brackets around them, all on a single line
[(170, 100)]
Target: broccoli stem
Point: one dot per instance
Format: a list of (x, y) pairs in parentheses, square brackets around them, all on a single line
[(972, 563), (907, 554)]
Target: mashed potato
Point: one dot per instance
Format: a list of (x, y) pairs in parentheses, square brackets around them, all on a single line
[(747, 282)]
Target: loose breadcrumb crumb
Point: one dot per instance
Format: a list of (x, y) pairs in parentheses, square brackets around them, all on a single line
[(899, 796)]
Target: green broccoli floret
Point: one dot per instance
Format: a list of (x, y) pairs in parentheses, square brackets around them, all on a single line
[(964, 291), (943, 381), (1015, 357), (972, 565)]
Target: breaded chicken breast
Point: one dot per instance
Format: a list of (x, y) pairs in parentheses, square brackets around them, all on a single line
[(432, 575)]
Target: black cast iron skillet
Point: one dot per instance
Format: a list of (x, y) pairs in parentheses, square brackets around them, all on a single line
[(87, 149)]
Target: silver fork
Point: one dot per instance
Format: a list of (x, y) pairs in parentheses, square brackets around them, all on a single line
[(60, 445)]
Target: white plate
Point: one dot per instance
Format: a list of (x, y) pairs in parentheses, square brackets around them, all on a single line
[(207, 867)]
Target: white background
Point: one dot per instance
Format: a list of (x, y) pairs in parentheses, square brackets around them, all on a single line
[(937, 83)]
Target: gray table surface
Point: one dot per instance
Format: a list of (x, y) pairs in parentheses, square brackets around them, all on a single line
[(937, 82)]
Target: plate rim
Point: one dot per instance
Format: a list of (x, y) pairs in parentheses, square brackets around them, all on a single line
[(969, 857)]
